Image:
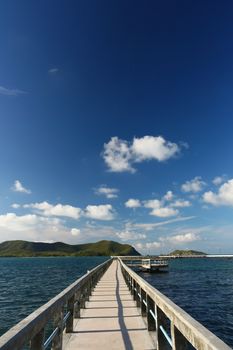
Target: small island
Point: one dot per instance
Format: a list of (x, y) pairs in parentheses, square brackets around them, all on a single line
[(187, 253), (37, 249)]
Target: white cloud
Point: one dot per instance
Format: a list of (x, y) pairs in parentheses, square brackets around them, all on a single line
[(48, 209), (149, 245), (158, 210), (152, 204), (17, 223), (151, 226), (119, 155), (11, 92), (180, 203), (168, 196), (100, 212), (15, 206), (107, 192), (153, 147), (224, 196), (132, 203), (53, 70), (75, 232), (164, 212), (155, 244), (129, 235), (32, 227), (182, 238), (218, 180), (194, 185), (18, 187)]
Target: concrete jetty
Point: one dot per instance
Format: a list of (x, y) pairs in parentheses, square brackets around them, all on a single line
[(110, 319)]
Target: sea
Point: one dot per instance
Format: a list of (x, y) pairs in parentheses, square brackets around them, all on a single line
[(202, 287)]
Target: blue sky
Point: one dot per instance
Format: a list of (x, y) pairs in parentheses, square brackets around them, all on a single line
[(116, 123)]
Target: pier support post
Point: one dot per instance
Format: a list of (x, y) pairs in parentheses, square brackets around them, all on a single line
[(58, 322), (77, 305), (130, 285), (162, 343), (138, 293), (151, 326), (179, 342), (134, 290), (37, 343), (70, 321), (143, 306)]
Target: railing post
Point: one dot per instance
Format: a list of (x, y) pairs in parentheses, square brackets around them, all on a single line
[(77, 305), (138, 290), (179, 342), (143, 306), (70, 320), (83, 296), (58, 322), (162, 343), (37, 342), (131, 285), (134, 290), (151, 326)]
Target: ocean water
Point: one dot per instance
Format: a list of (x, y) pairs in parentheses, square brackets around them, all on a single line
[(28, 283), (203, 287)]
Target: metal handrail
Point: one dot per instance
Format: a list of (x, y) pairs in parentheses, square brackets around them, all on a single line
[(172, 326), (31, 329)]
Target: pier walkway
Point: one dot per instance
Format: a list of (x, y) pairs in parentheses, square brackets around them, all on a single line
[(110, 319)]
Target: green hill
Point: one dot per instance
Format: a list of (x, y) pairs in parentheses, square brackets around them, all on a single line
[(186, 253), (101, 248)]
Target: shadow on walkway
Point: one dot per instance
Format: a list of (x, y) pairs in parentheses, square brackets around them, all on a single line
[(124, 331)]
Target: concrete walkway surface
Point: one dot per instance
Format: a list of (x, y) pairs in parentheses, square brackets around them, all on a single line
[(111, 319)]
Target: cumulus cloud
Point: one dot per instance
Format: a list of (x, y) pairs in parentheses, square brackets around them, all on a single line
[(48, 209), (132, 203), (164, 212), (218, 180), (159, 210), (32, 227), (17, 223), (100, 212), (182, 238), (15, 206), (152, 204), (18, 187), (107, 192), (180, 203), (119, 155), (224, 196), (129, 235), (75, 232), (148, 245), (153, 147), (194, 185), (11, 92)]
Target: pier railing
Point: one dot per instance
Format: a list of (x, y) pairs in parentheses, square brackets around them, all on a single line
[(61, 311), (171, 326)]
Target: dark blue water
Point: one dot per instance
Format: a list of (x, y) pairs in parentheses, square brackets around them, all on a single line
[(203, 287), (27, 283)]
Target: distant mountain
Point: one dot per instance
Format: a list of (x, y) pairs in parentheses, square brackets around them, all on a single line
[(186, 253), (101, 248)]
